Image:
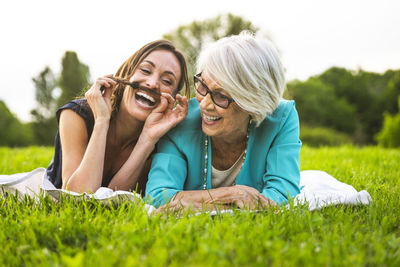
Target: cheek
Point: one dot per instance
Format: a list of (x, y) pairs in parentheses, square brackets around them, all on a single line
[(128, 95), (235, 116), (135, 77), (199, 98), (167, 90)]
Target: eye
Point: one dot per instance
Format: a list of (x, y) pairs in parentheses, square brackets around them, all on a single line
[(168, 82), (145, 70), (221, 96)]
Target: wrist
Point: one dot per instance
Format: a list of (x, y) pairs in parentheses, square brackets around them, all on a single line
[(102, 121), (147, 139), (101, 125)]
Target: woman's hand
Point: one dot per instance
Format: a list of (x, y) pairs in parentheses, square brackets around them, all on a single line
[(179, 205), (100, 101), (246, 197), (165, 116), (241, 196)]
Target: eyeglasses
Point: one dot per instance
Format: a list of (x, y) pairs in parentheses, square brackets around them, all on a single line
[(218, 99)]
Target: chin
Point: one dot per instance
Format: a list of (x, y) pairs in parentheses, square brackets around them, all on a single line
[(207, 131), (135, 112), (138, 114)]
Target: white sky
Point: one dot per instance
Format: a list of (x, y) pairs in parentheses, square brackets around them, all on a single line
[(312, 35)]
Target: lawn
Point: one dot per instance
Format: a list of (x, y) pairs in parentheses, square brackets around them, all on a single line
[(88, 234)]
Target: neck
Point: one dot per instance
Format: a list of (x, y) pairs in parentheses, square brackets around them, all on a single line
[(226, 151), (224, 144), (125, 130), (237, 139)]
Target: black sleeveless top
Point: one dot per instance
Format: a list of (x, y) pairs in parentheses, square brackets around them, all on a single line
[(54, 171), (81, 107)]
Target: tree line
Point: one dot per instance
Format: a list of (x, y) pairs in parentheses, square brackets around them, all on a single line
[(335, 107), (350, 103)]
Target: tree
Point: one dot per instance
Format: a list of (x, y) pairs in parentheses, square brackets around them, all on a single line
[(191, 38), (391, 92), (371, 94), (45, 83), (74, 77), (13, 132), (44, 125), (318, 105)]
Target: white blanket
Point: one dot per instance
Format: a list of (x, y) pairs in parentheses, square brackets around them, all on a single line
[(318, 189)]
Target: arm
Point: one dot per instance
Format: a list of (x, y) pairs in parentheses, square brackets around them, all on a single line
[(282, 173), (281, 178), (82, 164), (241, 196), (168, 176), (83, 159)]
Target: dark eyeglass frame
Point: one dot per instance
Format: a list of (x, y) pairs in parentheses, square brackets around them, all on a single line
[(196, 78)]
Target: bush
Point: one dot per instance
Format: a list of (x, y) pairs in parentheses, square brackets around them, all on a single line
[(389, 136), (317, 104), (320, 136), (13, 132)]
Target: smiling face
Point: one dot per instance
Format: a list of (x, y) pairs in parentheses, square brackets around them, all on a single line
[(228, 124), (159, 72)]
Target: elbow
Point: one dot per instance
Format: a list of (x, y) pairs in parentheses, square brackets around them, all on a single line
[(159, 197), (153, 198), (77, 187)]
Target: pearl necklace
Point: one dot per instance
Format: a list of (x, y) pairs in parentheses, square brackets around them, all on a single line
[(206, 157)]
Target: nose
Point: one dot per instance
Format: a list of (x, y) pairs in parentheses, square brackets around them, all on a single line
[(152, 82), (206, 102)]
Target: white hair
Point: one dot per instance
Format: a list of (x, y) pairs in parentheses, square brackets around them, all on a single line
[(249, 69)]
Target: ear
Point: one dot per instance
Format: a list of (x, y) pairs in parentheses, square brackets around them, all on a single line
[(252, 120)]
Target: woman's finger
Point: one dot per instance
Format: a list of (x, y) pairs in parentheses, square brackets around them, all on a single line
[(182, 108), (182, 101), (107, 92), (162, 106), (170, 99), (102, 83)]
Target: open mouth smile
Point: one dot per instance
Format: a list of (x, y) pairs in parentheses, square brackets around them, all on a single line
[(147, 98), (210, 119)]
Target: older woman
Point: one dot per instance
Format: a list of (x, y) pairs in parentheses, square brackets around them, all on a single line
[(106, 139), (239, 144)]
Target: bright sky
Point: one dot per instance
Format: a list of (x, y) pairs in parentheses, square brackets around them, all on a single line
[(312, 35)]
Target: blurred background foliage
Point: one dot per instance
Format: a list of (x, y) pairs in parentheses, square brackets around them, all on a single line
[(336, 107)]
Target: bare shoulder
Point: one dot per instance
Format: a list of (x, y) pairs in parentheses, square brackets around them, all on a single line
[(72, 128), (74, 141)]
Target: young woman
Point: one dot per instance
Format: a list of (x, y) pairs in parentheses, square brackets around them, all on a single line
[(106, 138)]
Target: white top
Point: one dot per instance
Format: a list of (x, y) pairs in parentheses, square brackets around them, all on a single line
[(226, 177)]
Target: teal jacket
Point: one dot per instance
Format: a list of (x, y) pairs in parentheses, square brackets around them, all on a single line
[(271, 165)]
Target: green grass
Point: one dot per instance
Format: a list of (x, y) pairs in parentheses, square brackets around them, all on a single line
[(89, 234)]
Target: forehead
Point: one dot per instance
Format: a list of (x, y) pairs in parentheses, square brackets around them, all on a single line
[(214, 84), (164, 59), (211, 82)]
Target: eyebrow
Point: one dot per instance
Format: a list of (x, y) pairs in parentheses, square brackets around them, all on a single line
[(217, 90), (167, 71)]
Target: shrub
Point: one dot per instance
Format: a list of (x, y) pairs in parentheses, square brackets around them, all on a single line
[(13, 132), (321, 136), (389, 136), (317, 104)]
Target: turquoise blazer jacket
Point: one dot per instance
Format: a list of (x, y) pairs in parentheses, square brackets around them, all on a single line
[(271, 166)]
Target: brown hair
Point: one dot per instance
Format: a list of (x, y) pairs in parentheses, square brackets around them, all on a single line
[(130, 65)]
